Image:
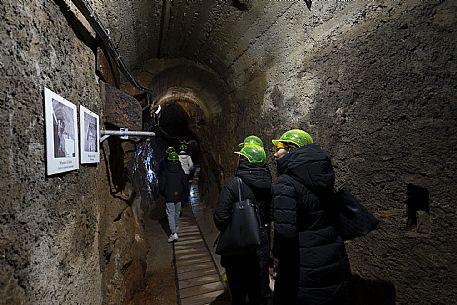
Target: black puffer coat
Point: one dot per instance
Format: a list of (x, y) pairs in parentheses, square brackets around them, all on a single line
[(173, 183), (257, 187), (313, 264)]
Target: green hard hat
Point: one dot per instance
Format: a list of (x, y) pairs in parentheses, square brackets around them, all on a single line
[(254, 153), (170, 150), (251, 140), (173, 156), (297, 137), (183, 147)]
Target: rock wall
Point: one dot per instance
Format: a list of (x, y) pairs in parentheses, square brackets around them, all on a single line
[(122, 246), (66, 238), (50, 242)]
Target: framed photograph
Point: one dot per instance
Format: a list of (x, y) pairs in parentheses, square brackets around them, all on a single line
[(90, 135), (61, 134)]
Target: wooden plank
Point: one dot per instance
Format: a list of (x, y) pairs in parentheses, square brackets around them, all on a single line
[(191, 250), (189, 233), (191, 247), (192, 275), (196, 267), (198, 281), (185, 256), (190, 242), (184, 263), (190, 237), (201, 289), (201, 299)]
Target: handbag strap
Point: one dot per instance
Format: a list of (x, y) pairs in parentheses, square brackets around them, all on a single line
[(239, 187)]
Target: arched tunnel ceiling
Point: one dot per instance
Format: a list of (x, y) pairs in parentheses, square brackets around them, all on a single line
[(217, 34), (219, 50), (214, 33), (184, 80)]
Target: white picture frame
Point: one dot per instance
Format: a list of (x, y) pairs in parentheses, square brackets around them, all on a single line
[(89, 129), (62, 153)]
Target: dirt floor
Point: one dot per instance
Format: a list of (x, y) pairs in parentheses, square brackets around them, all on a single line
[(160, 286)]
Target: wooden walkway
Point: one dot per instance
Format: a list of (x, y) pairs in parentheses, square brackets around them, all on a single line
[(198, 280)]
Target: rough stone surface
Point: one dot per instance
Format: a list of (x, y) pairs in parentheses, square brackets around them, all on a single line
[(372, 81), (49, 239), (122, 248), (65, 239), (121, 109)]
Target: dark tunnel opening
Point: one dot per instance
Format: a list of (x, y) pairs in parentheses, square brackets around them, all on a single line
[(174, 129)]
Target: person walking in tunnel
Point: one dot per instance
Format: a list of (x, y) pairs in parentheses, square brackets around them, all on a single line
[(164, 162), (186, 160), (313, 266), (247, 273), (186, 164), (173, 186)]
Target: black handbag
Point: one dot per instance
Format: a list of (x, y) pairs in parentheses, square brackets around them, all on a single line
[(242, 234), (354, 220)]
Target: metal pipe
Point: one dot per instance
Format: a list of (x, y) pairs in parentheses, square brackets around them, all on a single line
[(104, 134), (127, 133), (95, 22)]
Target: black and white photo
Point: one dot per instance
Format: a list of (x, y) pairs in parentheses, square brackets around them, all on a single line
[(61, 134), (89, 128)]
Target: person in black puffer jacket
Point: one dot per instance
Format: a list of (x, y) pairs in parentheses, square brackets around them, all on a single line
[(313, 266), (247, 274)]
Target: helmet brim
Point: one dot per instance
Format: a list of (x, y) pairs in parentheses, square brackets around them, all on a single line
[(276, 142), (249, 159), (287, 142)]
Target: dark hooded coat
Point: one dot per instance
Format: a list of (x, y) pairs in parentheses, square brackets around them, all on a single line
[(173, 183), (257, 187), (313, 264), (247, 272)]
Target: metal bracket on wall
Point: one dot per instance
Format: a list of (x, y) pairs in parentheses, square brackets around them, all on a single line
[(124, 133)]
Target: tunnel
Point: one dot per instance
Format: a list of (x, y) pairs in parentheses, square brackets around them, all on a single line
[(373, 82)]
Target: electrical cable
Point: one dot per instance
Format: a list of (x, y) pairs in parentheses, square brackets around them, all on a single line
[(101, 31)]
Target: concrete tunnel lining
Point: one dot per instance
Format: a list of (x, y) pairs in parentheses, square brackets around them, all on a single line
[(183, 78), (186, 95)]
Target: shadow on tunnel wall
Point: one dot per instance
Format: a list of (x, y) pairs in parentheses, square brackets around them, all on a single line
[(116, 164), (369, 291), (210, 180)]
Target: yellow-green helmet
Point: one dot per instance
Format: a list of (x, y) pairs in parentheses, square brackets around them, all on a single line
[(297, 137), (183, 147), (173, 156), (251, 140), (254, 153), (170, 150)]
